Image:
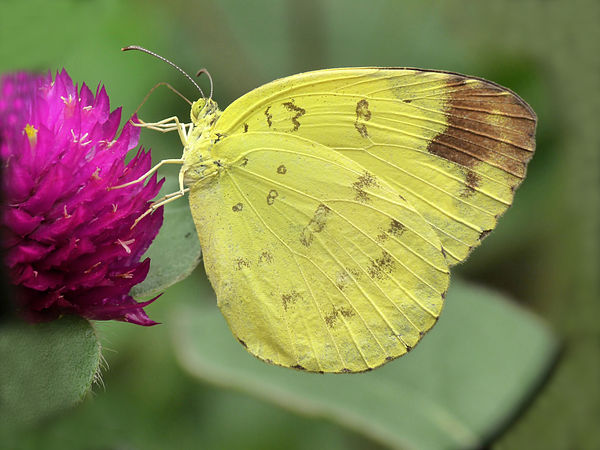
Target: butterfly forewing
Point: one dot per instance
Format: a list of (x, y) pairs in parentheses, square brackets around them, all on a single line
[(317, 262), (455, 147)]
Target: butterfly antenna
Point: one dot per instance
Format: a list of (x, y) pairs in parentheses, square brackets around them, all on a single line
[(204, 70), (142, 49), (162, 83)]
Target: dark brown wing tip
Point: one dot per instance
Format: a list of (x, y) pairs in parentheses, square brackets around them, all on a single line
[(487, 123)]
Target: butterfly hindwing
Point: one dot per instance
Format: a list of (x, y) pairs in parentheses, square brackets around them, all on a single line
[(317, 262), (455, 147)]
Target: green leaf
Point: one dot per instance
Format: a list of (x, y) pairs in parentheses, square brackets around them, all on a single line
[(175, 252), (45, 368), (467, 378)]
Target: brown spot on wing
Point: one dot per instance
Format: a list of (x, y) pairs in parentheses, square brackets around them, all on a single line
[(361, 196), (237, 207), (271, 196), (365, 180), (383, 236), (342, 280), (265, 258), (245, 128), (396, 228), (306, 237), (472, 181), (361, 128), (331, 318), (241, 263), (381, 266), (269, 116), (346, 312), (282, 170), (290, 298), (290, 106), (486, 124), (315, 225), (363, 114)]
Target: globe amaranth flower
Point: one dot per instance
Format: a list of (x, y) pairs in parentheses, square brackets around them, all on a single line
[(67, 239)]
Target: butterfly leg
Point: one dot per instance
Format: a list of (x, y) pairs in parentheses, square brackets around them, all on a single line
[(150, 172), (164, 126), (163, 201), (167, 125)]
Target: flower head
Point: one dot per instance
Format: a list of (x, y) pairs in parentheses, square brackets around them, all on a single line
[(67, 239)]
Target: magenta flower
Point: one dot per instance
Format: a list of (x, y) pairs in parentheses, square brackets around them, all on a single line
[(66, 238)]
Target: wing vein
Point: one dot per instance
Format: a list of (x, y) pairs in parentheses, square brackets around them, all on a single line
[(294, 255), (358, 347), (277, 183), (360, 230)]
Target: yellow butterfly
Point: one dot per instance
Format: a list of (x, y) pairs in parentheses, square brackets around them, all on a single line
[(331, 204)]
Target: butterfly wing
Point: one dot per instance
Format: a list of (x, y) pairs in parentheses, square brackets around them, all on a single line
[(455, 147), (317, 263)]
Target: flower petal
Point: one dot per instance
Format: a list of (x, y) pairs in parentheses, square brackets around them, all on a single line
[(68, 240)]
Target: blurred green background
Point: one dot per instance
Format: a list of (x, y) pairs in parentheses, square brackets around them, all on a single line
[(544, 252)]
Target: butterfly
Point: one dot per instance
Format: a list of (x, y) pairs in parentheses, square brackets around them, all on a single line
[(330, 205)]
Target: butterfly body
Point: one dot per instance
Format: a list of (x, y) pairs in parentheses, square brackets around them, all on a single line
[(198, 161), (331, 204)]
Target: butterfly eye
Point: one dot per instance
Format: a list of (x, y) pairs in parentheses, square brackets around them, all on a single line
[(197, 108)]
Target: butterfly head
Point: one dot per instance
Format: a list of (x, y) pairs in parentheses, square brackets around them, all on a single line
[(204, 110)]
